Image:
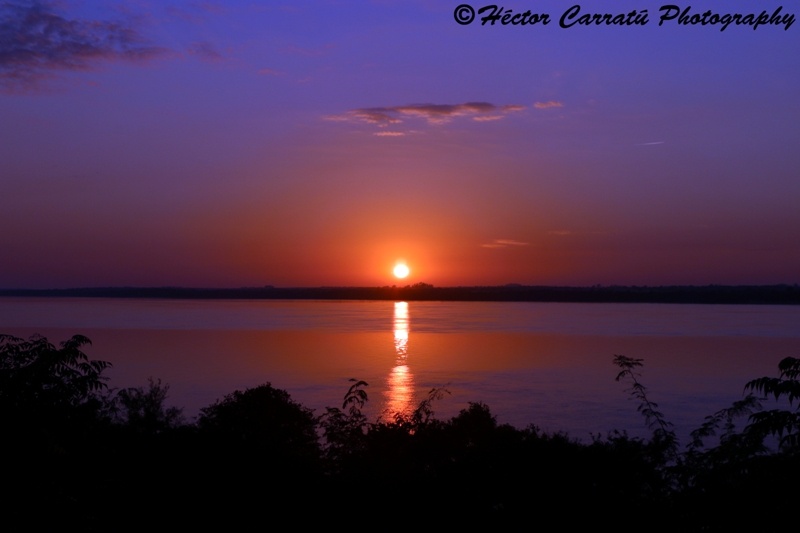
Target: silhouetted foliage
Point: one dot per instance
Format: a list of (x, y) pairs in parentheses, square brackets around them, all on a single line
[(781, 423), (54, 419), (46, 391), (259, 455), (344, 430), (262, 418), (663, 434), (263, 457), (738, 471), (35, 375), (144, 410)]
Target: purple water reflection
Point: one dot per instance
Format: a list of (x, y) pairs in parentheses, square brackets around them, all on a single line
[(542, 363)]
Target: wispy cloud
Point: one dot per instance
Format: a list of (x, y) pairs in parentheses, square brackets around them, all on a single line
[(432, 113), (550, 104), (487, 118), (36, 42), (503, 243)]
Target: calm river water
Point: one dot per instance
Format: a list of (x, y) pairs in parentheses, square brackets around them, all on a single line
[(548, 364)]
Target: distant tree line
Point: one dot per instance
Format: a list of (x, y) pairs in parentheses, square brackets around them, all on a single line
[(710, 294), (78, 454)]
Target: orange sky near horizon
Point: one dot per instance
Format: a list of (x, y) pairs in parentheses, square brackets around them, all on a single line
[(317, 144)]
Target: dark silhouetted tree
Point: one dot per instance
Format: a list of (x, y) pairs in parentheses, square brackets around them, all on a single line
[(53, 419), (663, 434), (781, 423), (144, 410), (262, 418), (44, 388), (260, 456), (344, 430)]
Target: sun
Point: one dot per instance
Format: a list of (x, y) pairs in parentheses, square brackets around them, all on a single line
[(401, 270)]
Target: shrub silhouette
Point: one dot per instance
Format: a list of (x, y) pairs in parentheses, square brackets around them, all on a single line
[(781, 423), (262, 418), (344, 431), (262, 427), (144, 410), (257, 454), (260, 457), (741, 470), (53, 419), (47, 391)]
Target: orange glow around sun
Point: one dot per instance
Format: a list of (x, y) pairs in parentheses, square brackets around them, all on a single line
[(401, 270)]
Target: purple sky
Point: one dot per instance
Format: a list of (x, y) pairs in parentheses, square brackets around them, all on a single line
[(298, 143)]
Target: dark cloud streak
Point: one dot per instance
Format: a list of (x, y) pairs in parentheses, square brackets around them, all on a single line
[(433, 113), (36, 42)]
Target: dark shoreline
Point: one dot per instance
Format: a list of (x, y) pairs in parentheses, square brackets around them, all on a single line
[(707, 294)]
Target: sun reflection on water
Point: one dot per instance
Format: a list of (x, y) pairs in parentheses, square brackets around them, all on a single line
[(400, 383)]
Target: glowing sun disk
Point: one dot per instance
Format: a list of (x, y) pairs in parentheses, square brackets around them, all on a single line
[(401, 270)]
